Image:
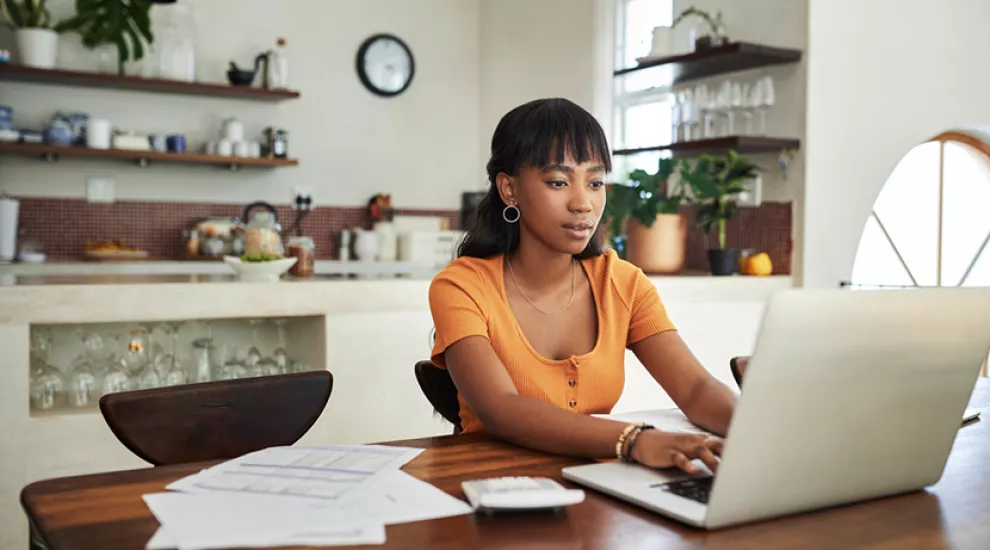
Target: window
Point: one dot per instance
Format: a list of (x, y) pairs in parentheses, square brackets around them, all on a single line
[(642, 116), (929, 226)]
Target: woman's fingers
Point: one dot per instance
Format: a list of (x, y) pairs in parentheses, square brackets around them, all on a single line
[(684, 463), (716, 445)]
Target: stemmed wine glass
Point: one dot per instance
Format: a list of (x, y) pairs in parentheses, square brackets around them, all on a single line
[(281, 355), (175, 373), (763, 98), (84, 382), (116, 378), (47, 383)]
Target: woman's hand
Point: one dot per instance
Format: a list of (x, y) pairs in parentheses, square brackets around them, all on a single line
[(659, 449)]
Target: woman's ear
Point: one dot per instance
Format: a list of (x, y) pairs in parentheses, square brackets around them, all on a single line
[(506, 188)]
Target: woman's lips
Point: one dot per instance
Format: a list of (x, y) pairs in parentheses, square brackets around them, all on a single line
[(579, 230)]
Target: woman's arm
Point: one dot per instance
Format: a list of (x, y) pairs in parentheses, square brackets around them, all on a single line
[(706, 401), (488, 389)]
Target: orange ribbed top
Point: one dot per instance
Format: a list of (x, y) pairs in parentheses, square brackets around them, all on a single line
[(468, 298)]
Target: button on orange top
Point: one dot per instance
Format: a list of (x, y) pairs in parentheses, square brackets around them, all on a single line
[(468, 298)]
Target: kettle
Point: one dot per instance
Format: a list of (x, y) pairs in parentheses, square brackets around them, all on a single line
[(262, 233)]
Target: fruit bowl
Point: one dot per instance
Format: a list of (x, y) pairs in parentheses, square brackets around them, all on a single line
[(265, 271)]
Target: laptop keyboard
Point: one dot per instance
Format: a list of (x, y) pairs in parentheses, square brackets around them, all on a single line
[(697, 489)]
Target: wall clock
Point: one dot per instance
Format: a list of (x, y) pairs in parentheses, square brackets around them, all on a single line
[(385, 65)]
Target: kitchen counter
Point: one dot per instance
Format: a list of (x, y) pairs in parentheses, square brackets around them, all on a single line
[(369, 332), (176, 267)]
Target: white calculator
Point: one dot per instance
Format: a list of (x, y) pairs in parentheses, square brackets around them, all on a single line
[(519, 494)]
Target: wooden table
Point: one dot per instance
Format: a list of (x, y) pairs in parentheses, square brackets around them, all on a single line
[(105, 512)]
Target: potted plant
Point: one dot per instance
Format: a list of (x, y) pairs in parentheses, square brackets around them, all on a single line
[(37, 38), (644, 221), (714, 182), (716, 26), (123, 24)]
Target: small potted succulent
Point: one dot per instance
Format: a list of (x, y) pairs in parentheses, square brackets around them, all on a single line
[(644, 220), (714, 182), (37, 37)]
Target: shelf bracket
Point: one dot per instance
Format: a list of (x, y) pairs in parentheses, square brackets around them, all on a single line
[(49, 157), (142, 162), (233, 167)]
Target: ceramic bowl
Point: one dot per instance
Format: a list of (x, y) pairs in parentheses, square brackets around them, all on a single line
[(259, 271), (240, 77)]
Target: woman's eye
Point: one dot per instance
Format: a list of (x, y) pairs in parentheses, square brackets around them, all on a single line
[(597, 184), (557, 184)]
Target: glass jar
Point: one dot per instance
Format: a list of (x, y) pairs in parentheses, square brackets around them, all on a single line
[(301, 248), (175, 47)]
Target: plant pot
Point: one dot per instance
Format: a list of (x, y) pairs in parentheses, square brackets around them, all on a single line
[(658, 249), (723, 261), (37, 47)]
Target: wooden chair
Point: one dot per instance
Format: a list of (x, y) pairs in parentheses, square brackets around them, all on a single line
[(216, 420), (440, 391)]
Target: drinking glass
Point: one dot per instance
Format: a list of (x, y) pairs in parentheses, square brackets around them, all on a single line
[(136, 356), (253, 354), (281, 355), (47, 382), (84, 383), (175, 372), (766, 98)]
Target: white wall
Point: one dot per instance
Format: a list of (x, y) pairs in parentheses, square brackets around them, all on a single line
[(421, 146), (536, 49), (880, 82)]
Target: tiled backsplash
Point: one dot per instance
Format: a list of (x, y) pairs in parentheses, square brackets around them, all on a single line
[(64, 225)]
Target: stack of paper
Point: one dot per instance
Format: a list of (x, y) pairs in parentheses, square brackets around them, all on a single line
[(297, 496)]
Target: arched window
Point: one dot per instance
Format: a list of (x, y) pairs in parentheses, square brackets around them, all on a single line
[(930, 226)]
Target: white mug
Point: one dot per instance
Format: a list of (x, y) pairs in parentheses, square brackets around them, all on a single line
[(98, 133), (225, 148), (242, 149), (211, 148), (255, 148), (233, 129)]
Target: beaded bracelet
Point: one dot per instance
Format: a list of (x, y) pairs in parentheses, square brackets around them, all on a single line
[(632, 439), (621, 443)]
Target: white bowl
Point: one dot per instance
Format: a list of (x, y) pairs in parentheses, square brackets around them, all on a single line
[(259, 271)]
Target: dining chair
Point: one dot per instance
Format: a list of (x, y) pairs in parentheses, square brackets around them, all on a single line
[(216, 420), (440, 391)]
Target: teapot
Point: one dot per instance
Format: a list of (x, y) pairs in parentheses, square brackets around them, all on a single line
[(262, 233)]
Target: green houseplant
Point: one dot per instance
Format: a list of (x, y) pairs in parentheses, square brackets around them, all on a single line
[(714, 182), (124, 24), (644, 221), (37, 39)]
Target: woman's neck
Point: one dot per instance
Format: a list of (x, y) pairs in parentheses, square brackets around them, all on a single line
[(539, 267)]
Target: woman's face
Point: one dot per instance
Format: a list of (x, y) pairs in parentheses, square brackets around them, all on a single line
[(559, 204)]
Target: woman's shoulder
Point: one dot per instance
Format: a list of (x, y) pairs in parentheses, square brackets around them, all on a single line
[(475, 273), (616, 276), (609, 267)]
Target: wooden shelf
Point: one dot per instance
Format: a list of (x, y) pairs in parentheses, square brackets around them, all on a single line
[(741, 144), (735, 56), (53, 152), (19, 73)]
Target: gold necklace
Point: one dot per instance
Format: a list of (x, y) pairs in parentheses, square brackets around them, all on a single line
[(519, 286)]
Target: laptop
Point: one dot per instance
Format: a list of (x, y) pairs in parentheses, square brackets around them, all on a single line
[(849, 395)]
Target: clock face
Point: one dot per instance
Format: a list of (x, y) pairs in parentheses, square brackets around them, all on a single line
[(385, 65)]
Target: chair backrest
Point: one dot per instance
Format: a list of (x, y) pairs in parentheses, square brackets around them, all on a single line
[(440, 390), (216, 420)]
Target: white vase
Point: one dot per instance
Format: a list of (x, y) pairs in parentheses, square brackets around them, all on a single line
[(387, 243), (365, 245), (37, 47)]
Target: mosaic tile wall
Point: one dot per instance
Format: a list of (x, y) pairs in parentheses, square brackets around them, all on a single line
[(64, 225)]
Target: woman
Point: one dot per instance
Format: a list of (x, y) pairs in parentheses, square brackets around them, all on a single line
[(533, 318)]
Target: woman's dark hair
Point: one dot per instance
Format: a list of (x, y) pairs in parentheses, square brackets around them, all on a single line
[(534, 134)]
